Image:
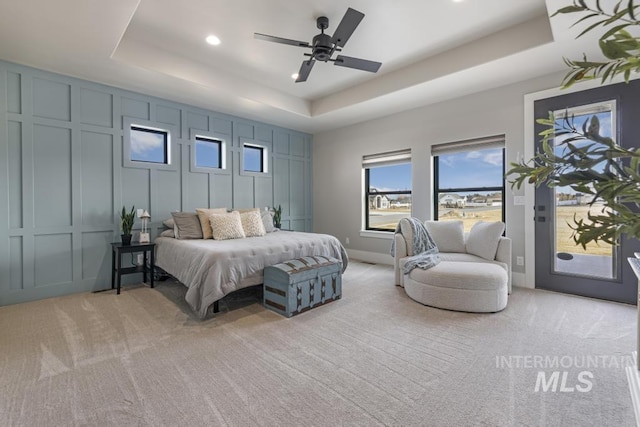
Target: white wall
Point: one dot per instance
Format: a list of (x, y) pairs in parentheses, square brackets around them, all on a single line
[(337, 158)]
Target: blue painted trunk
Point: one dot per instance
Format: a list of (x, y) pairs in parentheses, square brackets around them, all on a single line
[(295, 286)]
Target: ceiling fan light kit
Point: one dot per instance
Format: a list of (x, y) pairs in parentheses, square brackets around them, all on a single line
[(323, 45)]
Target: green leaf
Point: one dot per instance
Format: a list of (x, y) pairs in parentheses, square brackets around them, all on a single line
[(630, 10), (584, 18), (569, 9), (617, 6), (590, 27), (612, 49), (614, 30)]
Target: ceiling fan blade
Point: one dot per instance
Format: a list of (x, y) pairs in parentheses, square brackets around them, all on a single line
[(280, 40), (357, 63), (305, 69), (347, 26)]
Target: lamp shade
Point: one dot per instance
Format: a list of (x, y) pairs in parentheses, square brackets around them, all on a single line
[(145, 215)]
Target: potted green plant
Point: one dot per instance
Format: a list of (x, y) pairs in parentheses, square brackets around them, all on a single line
[(126, 224), (277, 216)]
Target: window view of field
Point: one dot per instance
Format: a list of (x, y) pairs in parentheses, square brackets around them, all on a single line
[(482, 169), (386, 217), (564, 241), (470, 216)]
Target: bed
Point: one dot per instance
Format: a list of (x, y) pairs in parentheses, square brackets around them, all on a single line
[(211, 269)]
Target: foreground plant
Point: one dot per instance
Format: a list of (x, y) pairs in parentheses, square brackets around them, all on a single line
[(617, 44), (586, 161), (601, 169)]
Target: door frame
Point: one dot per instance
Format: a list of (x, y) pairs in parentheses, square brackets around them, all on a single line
[(529, 140)]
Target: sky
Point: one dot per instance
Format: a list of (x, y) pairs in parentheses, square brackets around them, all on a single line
[(471, 169), (481, 168), (207, 154), (149, 147)]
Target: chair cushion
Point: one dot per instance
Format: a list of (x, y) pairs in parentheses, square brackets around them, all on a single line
[(448, 235), (484, 238), (462, 275)]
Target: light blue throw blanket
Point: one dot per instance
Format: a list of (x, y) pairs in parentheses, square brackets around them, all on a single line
[(426, 254)]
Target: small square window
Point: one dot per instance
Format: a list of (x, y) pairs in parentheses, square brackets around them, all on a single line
[(208, 153), (149, 145), (253, 158)]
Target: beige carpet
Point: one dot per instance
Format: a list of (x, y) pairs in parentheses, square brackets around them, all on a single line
[(373, 358)]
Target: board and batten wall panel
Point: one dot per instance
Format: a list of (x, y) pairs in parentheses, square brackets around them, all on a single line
[(61, 150)]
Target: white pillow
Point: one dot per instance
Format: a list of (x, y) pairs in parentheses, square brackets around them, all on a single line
[(448, 235), (484, 238), (267, 221), (226, 226), (203, 216), (252, 224), (168, 233)]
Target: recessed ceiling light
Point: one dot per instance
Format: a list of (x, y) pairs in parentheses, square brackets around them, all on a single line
[(213, 40), (458, 1), (294, 76)]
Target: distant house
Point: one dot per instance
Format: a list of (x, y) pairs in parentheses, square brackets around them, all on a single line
[(378, 201), (568, 199), (452, 200)]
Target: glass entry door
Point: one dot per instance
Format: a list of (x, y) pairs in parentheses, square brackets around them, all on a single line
[(599, 270), (596, 260)]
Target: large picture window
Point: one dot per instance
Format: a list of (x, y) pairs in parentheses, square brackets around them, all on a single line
[(387, 178), (469, 181)]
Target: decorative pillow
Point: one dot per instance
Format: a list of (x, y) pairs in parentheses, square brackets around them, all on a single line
[(252, 224), (168, 233), (484, 238), (187, 225), (203, 215), (169, 223), (226, 226), (267, 221), (448, 235)]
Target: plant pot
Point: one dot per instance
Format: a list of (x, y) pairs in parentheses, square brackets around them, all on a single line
[(277, 225), (126, 239)]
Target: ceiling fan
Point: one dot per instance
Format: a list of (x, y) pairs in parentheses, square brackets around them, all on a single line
[(323, 45)]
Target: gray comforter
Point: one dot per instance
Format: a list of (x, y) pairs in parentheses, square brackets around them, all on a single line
[(213, 268)]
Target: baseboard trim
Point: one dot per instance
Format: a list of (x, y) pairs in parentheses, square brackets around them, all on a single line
[(518, 279), (372, 257)]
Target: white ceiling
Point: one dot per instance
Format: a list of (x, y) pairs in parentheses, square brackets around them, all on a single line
[(430, 50)]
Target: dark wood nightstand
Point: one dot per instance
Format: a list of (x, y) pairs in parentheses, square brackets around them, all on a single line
[(116, 262)]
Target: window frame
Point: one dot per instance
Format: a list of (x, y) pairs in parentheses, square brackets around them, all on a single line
[(156, 131), (264, 159), (219, 149), (437, 190), (379, 160), (224, 156), (129, 123)]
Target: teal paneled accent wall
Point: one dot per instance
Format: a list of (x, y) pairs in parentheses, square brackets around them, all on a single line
[(63, 180)]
